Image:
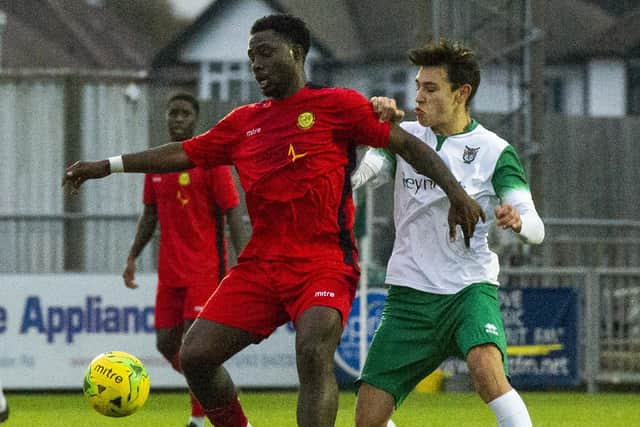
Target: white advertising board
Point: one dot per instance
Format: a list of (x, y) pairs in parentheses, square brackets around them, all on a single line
[(51, 326)]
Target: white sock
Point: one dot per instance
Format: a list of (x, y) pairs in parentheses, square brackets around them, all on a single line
[(3, 401), (199, 421), (510, 410)]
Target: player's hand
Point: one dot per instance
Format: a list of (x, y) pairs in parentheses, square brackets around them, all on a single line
[(464, 212), (507, 217), (386, 109), (79, 172), (129, 273)]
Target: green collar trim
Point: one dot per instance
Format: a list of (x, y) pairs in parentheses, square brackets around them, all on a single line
[(441, 138)]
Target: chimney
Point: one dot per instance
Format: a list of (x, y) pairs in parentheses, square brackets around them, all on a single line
[(3, 24)]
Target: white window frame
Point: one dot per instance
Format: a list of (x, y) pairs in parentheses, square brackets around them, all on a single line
[(223, 78)]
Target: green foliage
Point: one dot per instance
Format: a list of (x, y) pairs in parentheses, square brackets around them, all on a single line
[(153, 17), (270, 409)]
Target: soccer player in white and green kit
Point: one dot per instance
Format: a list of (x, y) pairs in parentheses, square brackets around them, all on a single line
[(443, 295)]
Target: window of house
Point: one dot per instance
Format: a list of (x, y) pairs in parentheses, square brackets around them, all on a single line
[(254, 91), (235, 90), (228, 82), (214, 90), (553, 95), (215, 67), (633, 99)]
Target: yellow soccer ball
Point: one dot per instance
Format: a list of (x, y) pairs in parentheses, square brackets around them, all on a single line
[(116, 384)]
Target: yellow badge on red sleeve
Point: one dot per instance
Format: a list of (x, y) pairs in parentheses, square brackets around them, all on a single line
[(184, 179), (306, 120)]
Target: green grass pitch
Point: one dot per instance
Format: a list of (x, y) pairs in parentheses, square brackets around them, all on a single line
[(276, 409)]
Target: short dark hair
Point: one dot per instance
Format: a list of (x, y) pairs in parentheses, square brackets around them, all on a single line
[(459, 61), (292, 28), (185, 96)]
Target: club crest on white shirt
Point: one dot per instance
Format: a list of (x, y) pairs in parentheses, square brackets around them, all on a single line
[(470, 153)]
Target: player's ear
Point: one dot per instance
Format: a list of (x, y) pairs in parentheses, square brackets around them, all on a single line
[(464, 92), (296, 52)]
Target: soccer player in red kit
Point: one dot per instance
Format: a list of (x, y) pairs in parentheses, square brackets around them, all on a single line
[(294, 153), (191, 207)]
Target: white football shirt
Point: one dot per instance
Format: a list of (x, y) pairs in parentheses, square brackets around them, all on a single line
[(489, 170)]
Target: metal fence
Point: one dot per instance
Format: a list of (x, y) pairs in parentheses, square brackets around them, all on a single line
[(610, 317), (50, 119), (590, 242)]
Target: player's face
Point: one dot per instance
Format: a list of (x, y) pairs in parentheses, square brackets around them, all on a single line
[(437, 104), (273, 64), (181, 119)]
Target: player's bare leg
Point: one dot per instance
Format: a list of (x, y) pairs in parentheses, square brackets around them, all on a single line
[(490, 381), (206, 346), (487, 373), (373, 406), (318, 332), (168, 344), (168, 341)]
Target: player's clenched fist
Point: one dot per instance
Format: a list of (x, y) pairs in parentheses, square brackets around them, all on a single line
[(80, 171), (386, 109), (507, 217)]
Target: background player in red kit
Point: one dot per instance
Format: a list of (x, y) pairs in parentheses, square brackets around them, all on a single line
[(191, 207), (294, 153)]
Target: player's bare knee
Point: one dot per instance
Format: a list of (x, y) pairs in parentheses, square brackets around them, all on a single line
[(487, 371), (192, 358), (485, 363), (315, 349), (313, 357), (483, 358)]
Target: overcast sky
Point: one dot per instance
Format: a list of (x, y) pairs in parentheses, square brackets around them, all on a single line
[(190, 8)]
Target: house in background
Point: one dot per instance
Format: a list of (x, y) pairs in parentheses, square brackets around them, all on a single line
[(351, 39), (68, 36), (73, 84), (604, 68), (213, 52), (363, 45)]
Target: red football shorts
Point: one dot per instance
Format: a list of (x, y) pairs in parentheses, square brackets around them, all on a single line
[(259, 296), (174, 305)]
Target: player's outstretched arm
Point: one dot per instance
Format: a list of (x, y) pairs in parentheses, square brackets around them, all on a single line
[(166, 158), (464, 211)]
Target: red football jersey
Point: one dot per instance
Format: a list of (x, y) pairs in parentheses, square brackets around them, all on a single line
[(191, 207), (294, 157)]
